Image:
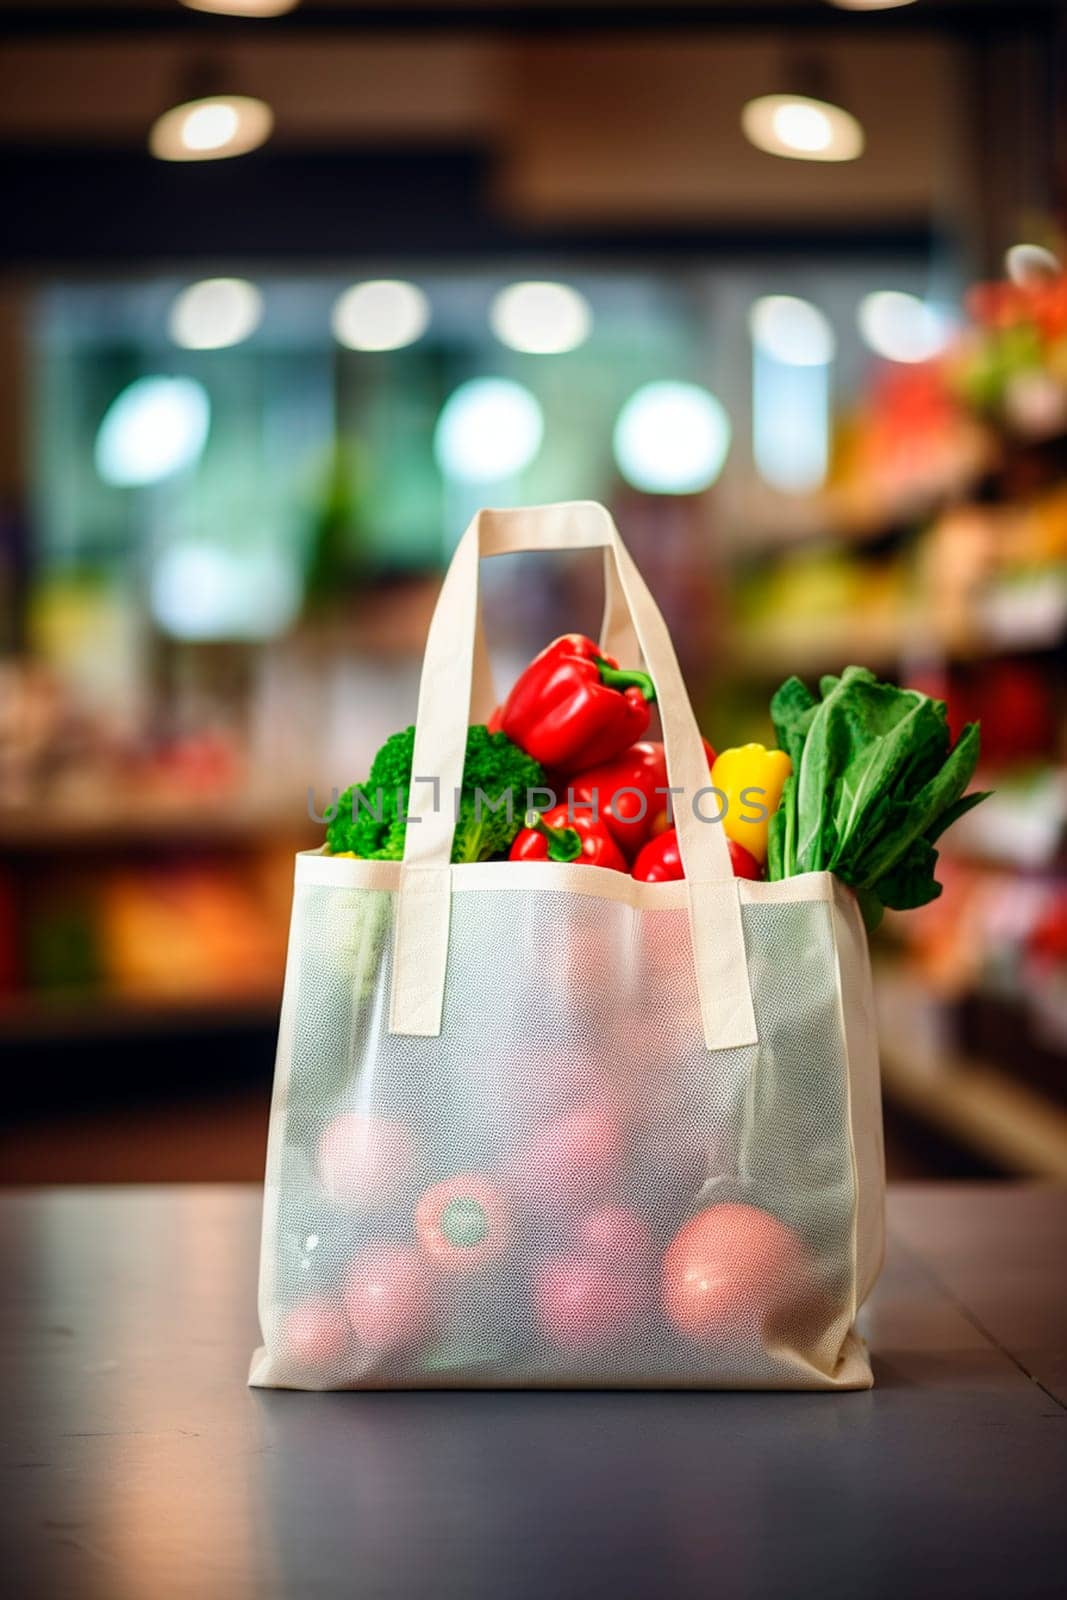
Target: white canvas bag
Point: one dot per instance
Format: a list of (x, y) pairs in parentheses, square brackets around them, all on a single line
[(540, 1124)]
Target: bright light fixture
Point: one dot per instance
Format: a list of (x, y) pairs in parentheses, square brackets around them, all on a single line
[(152, 429), (489, 429), (215, 313), (1028, 264), (901, 327), (382, 314), (804, 129), (202, 591), (243, 8), (792, 331), (211, 129), (542, 319), (671, 438), (863, 5)]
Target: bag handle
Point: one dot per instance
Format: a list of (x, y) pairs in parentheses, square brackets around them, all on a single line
[(420, 945), (617, 638)]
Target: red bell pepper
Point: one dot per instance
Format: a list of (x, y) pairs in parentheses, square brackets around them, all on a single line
[(616, 789), (557, 836), (661, 862), (462, 1223), (574, 707), (623, 792)]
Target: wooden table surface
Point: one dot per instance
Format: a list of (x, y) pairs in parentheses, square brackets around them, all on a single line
[(138, 1466)]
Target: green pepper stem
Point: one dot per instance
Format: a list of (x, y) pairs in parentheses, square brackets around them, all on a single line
[(564, 844), (619, 678)]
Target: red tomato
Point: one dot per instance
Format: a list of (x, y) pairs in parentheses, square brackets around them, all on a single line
[(388, 1298), (581, 1302), (660, 860), (572, 1160), (462, 1223), (364, 1160), (728, 1268), (315, 1332), (618, 1236)]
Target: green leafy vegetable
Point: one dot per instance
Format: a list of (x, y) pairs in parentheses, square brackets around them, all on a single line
[(370, 816), (875, 782)]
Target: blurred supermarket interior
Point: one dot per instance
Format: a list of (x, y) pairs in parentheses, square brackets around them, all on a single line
[(290, 289)]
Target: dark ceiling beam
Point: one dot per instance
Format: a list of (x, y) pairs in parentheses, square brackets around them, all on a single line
[(113, 209), (959, 19)]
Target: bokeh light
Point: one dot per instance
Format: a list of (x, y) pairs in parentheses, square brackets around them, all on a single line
[(802, 128), (671, 438), (792, 330), (541, 318), (153, 429), (215, 313), (489, 429), (901, 327), (381, 314), (211, 129)]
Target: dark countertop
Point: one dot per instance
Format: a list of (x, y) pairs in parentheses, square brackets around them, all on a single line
[(138, 1466)]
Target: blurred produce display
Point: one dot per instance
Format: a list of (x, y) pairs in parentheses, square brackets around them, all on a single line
[(212, 634), (943, 558)]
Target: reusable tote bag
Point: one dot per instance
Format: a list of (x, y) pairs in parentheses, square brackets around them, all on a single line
[(540, 1124)]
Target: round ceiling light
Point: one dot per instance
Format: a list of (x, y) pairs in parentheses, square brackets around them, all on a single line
[(671, 438), (901, 327), (542, 319), (211, 129), (801, 128), (382, 314), (243, 8), (152, 429), (870, 5), (1028, 264), (489, 429), (215, 313), (792, 331)]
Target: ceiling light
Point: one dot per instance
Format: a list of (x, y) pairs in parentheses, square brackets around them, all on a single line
[(671, 438), (541, 318), (863, 5), (211, 129), (901, 327), (152, 429), (802, 128), (489, 429), (383, 314), (1028, 264), (243, 8), (215, 313), (202, 591), (792, 331)]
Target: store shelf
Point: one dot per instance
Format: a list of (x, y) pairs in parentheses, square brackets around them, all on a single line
[(1015, 1126), (1011, 619), (220, 823), (44, 1017)]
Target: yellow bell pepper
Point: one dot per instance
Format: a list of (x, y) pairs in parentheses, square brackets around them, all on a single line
[(751, 777)]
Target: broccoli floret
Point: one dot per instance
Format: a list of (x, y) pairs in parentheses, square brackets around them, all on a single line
[(493, 764), (341, 828)]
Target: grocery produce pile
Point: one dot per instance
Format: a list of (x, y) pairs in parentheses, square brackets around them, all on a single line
[(865, 782)]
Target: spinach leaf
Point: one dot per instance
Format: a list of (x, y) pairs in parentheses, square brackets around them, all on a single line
[(955, 812), (792, 708), (874, 784), (911, 882)]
